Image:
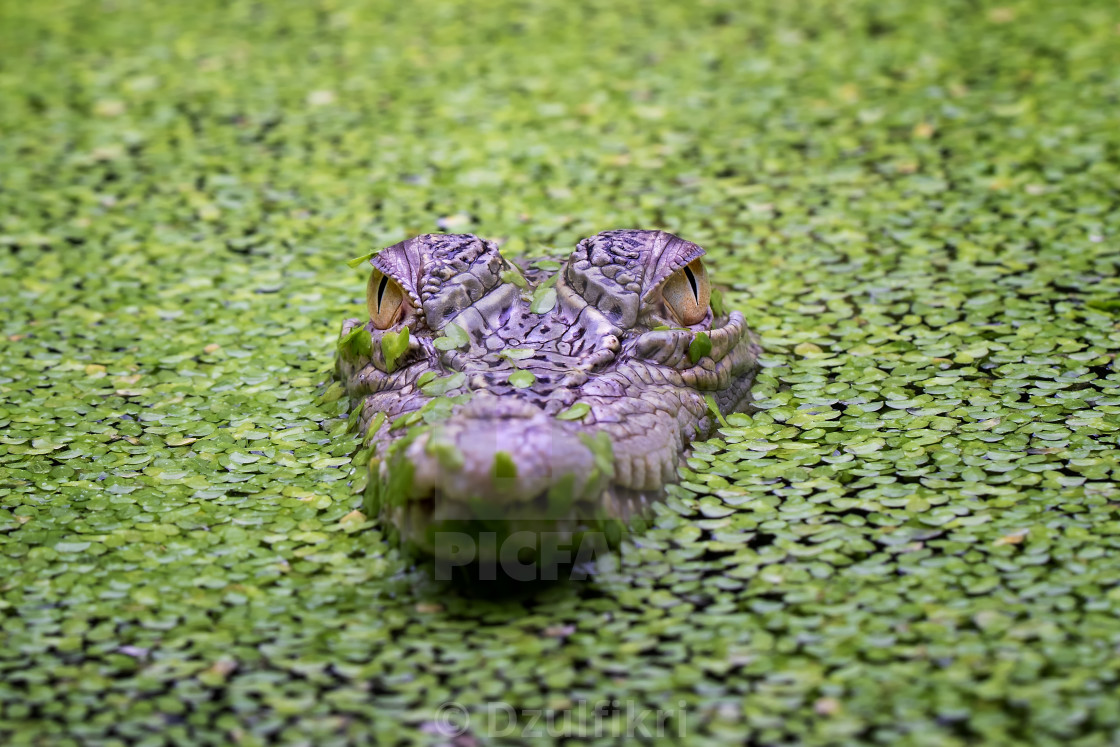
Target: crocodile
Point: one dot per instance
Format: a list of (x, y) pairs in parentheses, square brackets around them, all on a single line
[(555, 394)]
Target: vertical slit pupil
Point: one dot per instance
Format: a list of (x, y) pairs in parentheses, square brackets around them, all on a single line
[(381, 290), (692, 281)]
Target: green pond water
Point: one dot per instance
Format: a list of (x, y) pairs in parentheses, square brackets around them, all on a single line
[(916, 540)]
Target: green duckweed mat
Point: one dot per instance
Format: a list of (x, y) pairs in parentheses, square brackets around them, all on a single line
[(916, 540)]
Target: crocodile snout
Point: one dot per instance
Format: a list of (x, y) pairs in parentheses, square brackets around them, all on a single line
[(511, 454), (502, 466)]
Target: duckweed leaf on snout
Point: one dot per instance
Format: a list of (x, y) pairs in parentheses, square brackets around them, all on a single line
[(453, 337), (393, 346)]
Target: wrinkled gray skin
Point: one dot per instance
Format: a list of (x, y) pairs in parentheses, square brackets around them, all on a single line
[(597, 345)]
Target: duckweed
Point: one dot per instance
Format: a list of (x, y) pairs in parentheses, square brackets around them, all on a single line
[(915, 539)]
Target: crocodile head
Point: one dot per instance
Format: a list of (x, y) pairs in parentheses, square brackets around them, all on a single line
[(545, 395)]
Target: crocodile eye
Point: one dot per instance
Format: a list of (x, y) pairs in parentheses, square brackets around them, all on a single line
[(385, 300), (687, 293)]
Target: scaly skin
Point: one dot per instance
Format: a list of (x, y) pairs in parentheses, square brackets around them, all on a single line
[(487, 453)]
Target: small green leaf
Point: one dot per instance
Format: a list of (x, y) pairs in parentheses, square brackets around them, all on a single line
[(446, 453), (345, 339), (393, 346), (363, 344), (458, 334), (876, 444), (547, 264), (513, 275), (602, 450), (399, 485), (358, 260), (1104, 304), (544, 300), (575, 412), (517, 354), (520, 379), (809, 350), (333, 393), (437, 409), (700, 346), (352, 420), (504, 466), (356, 344), (443, 385), (374, 426), (454, 337), (713, 407), (403, 421), (716, 302), (513, 246)]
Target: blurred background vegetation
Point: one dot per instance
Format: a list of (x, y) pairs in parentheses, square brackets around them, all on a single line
[(913, 542)]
